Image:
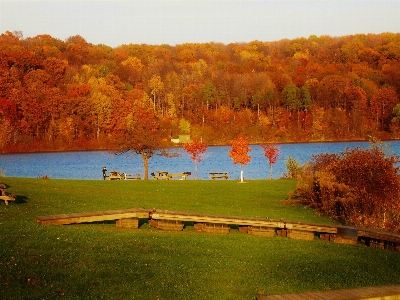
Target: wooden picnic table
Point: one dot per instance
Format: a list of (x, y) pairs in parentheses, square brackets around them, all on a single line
[(115, 175), (168, 176), (183, 175), (222, 175), (160, 175)]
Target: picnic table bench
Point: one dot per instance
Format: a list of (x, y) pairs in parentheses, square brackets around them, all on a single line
[(221, 175), (133, 177), (4, 195)]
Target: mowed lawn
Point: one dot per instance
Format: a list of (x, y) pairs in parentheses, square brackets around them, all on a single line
[(102, 261)]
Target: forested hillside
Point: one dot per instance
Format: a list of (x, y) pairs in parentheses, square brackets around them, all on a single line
[(68, 95)]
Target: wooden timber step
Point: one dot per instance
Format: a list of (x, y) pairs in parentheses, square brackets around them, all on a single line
[(379, 235), (167, 225), (96, 216), (240, 221), (391, 292), (174, 220)]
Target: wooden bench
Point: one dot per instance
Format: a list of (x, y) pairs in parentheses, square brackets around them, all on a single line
[(133, 177), (219, 175)]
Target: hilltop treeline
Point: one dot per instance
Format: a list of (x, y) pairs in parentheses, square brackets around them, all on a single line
[(60, 95)]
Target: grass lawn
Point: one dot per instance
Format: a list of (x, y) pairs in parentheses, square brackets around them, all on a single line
[(102, 261)]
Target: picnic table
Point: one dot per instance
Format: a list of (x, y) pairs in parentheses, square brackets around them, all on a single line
[(167, 176), (219, 175), (160, 175), (183, 175), (115, 175)]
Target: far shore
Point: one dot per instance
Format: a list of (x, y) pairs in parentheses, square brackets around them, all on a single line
[(25, 151)]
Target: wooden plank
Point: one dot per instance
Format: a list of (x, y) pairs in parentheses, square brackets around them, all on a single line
[(311, 227), (346, 241), (241, 221), (300, 234), (391, 292), (128, 223), (261, 231), (167, 225), (203, 218), (216, 228), (97, 216), (379, 235)]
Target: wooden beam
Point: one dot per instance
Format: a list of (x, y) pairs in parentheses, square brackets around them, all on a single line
[(98, 216)]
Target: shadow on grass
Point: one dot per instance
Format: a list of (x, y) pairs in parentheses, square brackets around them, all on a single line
[(108, 222), (21, 199)]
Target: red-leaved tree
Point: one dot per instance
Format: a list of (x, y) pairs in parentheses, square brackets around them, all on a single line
[(195, 150), (144, 134), (240, 148), (271, 152)]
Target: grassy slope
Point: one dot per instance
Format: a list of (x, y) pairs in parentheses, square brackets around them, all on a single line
[(94, 261)]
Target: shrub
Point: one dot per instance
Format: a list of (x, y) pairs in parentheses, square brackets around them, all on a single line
[(356, 187)]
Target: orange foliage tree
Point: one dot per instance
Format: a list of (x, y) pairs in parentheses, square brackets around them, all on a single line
[(271, 152), (145, 135), (238, 153), (195, 150), (349, 87)]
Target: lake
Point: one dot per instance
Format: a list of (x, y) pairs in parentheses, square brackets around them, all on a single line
[(88, 164)]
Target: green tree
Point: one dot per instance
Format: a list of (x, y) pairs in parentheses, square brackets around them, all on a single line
[(209, 92), (293, 168)]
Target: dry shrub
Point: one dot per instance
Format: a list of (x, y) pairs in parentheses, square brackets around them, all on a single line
[(356, 187)]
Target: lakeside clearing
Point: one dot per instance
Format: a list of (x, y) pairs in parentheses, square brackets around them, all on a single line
[(100, 260)]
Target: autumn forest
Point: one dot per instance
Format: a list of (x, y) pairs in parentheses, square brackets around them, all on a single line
[(73, 95)]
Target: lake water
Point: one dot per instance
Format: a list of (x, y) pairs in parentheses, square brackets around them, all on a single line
[(88, 164)]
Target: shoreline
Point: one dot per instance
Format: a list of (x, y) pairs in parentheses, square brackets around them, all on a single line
[(180, 145)]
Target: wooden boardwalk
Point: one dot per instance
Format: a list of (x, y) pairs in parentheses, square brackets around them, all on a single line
[(391, 292)]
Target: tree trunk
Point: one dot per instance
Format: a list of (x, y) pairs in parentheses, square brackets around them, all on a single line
[(145, 158), (270, 171), (195, 170)]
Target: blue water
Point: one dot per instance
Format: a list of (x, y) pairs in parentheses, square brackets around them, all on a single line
[(88, 164)]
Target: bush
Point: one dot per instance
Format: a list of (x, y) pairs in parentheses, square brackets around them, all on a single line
[(356, 187)]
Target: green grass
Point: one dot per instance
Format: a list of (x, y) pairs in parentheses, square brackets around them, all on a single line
[(102, 261)]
